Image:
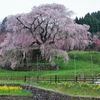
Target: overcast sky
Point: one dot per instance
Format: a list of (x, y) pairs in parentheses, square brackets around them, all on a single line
[(80, 7)]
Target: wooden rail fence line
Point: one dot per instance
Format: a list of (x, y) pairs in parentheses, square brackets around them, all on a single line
[(54, 78)]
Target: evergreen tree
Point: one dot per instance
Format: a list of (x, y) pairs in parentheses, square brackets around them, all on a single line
[(93, 20)]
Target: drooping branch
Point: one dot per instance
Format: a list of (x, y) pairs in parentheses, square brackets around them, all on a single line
[(24, 26)]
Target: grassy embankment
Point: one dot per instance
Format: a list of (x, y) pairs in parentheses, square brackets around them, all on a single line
[(87, 63)]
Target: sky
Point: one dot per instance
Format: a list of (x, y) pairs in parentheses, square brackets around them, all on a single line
[(80, 7)]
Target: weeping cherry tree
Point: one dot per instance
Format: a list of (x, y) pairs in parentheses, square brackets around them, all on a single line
[(44, 27)]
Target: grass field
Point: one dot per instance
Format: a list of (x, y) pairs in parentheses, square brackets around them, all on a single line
[(87, 63)]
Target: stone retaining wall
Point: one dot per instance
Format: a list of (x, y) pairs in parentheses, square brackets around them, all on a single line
[(43, 67), (44, 94)]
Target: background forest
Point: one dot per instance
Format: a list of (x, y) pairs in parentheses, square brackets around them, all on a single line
[(91, 19)]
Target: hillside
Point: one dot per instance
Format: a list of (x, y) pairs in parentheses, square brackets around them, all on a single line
[(85, 62)]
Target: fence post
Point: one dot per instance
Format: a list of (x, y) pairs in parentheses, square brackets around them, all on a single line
[(24, 78), (84, 78), (92, 79), (76, 78), (55, 78)]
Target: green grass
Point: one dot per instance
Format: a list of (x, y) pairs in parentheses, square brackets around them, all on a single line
[(19, 93), (85, 62), (75, 89)]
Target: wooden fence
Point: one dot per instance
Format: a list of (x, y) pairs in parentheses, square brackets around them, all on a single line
[(54, 78)]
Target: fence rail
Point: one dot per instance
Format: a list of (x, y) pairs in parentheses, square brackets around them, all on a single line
[(54, 78)]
